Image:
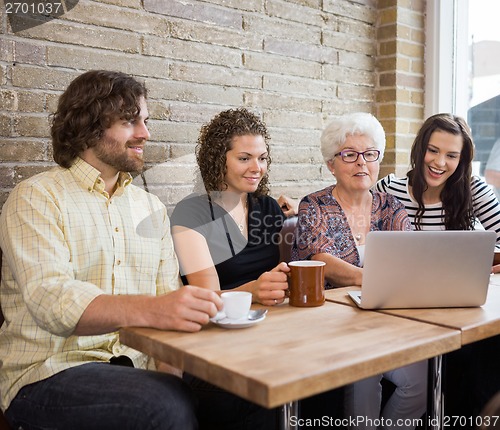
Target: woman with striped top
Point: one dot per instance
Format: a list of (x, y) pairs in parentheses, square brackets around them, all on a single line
[(439, 192)]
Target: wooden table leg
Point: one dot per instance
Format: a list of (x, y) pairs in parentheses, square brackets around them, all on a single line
[(289, 410)]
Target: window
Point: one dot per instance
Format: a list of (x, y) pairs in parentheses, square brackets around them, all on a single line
[(463, 73), (483, 112)]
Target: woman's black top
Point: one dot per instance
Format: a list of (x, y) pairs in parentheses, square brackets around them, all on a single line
[(237, 261)]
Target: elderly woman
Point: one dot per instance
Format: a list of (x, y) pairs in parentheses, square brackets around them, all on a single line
[(332, 227)]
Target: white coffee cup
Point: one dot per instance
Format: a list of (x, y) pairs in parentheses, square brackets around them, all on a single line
[(236, 303)]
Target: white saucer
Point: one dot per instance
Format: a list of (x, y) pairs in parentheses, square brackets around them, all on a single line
[(239, 323)]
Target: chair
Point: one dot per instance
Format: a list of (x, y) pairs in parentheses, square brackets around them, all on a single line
[(4, 425), (287, 236), (3, 422)]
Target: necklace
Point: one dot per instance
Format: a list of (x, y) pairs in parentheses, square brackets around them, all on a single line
[(241, 223), (356, 218)]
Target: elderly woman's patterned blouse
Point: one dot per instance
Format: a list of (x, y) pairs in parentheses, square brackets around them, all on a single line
[(323, 227)]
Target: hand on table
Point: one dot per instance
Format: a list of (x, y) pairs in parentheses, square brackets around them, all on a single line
[(187, 309)]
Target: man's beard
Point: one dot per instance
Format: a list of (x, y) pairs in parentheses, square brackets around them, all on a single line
[(115, 154)]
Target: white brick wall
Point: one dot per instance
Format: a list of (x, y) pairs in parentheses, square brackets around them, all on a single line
[(295, 62)]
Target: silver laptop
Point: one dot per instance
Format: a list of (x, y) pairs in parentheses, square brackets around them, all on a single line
[(425, 269)]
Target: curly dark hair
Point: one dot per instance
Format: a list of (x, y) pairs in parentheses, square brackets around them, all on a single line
[(216, 139), (90, 104), (456, 194)]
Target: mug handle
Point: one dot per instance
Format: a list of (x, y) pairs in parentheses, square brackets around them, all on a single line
[(287, 291)]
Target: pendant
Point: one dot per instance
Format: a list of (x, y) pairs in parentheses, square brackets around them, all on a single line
[(357, 238), (241, 227)]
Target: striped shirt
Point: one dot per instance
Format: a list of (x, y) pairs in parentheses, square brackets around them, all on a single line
[(485, 205), (65, 242)]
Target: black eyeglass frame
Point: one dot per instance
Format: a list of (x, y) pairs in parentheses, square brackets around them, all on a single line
[(341, 153)]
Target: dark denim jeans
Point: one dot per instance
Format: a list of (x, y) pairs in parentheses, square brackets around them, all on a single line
[(221, 410), (102, 396)]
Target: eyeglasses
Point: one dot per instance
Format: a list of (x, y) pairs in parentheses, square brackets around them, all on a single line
[(350, 156)]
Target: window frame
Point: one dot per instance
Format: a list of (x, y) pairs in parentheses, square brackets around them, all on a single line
[(447, 55)]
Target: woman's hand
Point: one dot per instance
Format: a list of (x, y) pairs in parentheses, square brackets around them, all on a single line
[(289, 206), (495, 269), (270, 288)]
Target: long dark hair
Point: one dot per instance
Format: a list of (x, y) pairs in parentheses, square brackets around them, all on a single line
[(90, 104), (216, 140), (456, 195)]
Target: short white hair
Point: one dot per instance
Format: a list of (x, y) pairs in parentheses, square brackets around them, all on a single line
[(335, 133)]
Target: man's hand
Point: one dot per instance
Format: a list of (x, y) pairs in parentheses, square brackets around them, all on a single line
[(187, 309)]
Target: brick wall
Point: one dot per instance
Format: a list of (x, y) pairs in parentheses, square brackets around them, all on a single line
[(399, 95), (295, 62)]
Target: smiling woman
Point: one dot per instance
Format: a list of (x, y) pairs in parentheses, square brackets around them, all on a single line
[(332, 226), (232, 227), (227, 238), (333, 222), (439, 192)]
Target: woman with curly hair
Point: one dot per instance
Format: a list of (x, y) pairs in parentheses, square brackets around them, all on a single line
[(227, 238)]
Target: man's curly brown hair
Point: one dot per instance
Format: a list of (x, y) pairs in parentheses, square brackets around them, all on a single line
[(90, 104), (216, 140)]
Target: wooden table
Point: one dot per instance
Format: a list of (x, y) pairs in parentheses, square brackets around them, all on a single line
[(296, 352), (474, 324), (339, 295)]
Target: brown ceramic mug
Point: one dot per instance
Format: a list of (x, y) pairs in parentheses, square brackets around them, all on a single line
[(306, 283)]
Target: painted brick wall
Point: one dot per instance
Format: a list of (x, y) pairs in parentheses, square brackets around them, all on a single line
[(296, 63)]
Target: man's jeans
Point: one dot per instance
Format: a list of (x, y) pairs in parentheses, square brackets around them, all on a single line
[(103, 396)]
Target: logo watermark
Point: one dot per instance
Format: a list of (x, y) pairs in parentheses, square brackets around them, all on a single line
[(23, 15), (363, 421)]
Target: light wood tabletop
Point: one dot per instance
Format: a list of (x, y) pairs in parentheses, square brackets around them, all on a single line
[(339, 295), (296, 352), (475, 323)]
